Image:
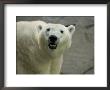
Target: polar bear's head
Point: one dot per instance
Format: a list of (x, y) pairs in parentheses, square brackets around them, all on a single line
[(55, 38)]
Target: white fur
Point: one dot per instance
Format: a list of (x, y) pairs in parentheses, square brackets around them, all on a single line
[(33, 54)]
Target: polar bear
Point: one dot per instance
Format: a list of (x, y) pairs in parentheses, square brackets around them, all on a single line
[(40, 46)]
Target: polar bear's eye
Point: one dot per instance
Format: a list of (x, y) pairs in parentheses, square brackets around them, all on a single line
[(48, 29), (61, 31)]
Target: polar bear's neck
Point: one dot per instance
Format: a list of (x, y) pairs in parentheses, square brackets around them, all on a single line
[(52, 64), (55, 65)]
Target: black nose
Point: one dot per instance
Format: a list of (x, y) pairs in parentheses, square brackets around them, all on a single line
[(52, 38)]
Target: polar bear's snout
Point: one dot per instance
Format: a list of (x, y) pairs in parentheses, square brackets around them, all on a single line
[(52, 40)]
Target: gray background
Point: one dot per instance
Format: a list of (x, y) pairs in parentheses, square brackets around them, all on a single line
[(79, 59)]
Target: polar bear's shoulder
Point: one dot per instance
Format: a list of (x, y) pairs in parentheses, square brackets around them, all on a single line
[(27, 23)]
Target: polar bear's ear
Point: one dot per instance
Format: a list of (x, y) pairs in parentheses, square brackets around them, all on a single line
[(71, 28), (39, 27)]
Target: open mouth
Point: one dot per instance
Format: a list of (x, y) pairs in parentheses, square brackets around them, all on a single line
[(52, 45)]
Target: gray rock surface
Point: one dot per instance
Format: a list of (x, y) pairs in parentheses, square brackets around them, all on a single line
[(79, 59)]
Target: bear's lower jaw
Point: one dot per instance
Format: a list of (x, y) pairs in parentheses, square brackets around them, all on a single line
[(52, 46)]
